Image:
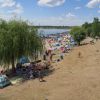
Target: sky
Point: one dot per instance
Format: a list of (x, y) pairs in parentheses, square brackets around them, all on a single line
[(51, 12)]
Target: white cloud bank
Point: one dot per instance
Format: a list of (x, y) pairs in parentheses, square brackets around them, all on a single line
[(13, 8), (17, 10), (93, 3), (67, 19), (7, 3), (51, 3)]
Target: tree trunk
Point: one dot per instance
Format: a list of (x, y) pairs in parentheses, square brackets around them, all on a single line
[(35, 55), (13, 64)]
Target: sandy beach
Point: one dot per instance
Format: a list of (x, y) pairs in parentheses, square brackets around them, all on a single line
[(73, 78), (49, 49)]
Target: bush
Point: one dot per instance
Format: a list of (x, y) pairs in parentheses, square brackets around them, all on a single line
[(78, 34)]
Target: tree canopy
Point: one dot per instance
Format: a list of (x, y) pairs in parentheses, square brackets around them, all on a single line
[(96, 27), (17, 39), (92, 29), (78, 34), (86, 30)]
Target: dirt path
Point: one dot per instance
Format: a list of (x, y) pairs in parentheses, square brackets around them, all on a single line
[(73, 79)]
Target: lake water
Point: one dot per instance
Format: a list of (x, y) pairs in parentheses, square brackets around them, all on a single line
[(52, 31)]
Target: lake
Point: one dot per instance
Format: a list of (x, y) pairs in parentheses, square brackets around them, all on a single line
[(52, 31)]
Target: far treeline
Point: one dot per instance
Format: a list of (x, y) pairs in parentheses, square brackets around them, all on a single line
[(54, 27), (79, 33), (17, 39)]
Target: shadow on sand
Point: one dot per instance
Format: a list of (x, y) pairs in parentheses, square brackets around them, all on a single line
[(20, 79)]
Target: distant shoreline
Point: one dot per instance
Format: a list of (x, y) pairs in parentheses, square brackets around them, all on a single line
[(54, 27), (52, 31)]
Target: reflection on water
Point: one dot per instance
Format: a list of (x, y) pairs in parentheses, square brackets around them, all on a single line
[(52, 31)]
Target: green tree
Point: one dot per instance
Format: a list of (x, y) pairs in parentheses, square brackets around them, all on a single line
[(86, 25), (87, 28), (17, 39), (78, 34), (96, 28)]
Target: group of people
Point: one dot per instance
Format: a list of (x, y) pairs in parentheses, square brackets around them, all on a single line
[(32, 70)]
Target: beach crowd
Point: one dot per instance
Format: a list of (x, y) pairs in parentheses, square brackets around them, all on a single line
[(58, 42)]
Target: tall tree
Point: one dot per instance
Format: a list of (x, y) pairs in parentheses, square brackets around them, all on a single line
[(96, 28), (17, 39), (88, 29)]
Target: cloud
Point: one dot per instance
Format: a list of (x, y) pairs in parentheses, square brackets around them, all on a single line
[(11, 6), (77, 8), (66, 19), (98, 11), (5, 16), (17, 10), (61, 21), (93, 3), (7, 3), (50, 3), (70, 15)]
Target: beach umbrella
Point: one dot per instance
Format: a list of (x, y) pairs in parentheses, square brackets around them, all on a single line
[(4, 81), (23, 60)]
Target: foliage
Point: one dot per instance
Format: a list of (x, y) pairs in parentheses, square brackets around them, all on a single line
[(87, 28), (78, 34), (17, 39), (92, 29), (96, 27)]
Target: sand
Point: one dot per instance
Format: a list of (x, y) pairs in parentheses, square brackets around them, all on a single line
[(73, 78)]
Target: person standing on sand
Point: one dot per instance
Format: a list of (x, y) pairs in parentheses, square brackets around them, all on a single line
[(51, 55), (40, 73), (40, 69), (61, 56), (45, 56)]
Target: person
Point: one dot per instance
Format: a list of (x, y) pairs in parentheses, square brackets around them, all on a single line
[(61, 56), (96, 38), (46, 53), (44, 56), (1, 72), (3, 75), (51, 55), (79, 54), (18, 69), (40, 72), (31, 74)]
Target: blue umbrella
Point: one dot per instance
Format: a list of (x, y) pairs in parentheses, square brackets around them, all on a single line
[(23, 60), (4, 81)]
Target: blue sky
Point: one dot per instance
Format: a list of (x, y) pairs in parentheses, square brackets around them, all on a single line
[(51, 12)]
